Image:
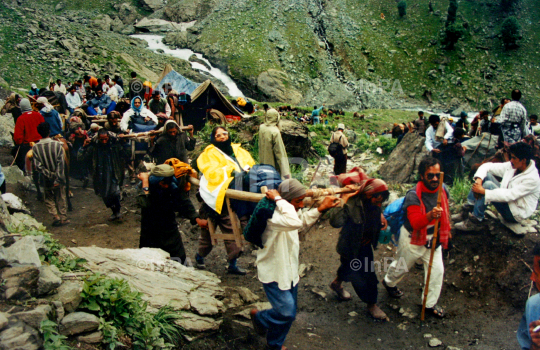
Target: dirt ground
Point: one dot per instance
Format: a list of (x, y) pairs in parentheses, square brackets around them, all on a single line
[(484, 303)]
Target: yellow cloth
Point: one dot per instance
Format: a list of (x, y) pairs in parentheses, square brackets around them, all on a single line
[(217, 170), (182, 169), (241, 102)]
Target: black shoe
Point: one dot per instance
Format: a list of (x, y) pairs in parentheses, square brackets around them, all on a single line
[(468, 208), (235, 270)]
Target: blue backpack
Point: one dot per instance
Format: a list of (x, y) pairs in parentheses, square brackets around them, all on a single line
[(395, 215)]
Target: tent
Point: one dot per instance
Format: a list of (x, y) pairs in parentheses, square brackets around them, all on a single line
[(178, 82), (207, 96)]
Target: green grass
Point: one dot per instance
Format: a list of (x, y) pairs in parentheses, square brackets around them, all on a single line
[(460, 189)]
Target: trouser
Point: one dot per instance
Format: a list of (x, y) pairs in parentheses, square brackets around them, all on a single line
[(19, 153), (407, 255), (279, 319), (363, 279), (3, 187), (55, 201), (225, 225), (113, 202), (340, 165), (489, 183), (316, 120)]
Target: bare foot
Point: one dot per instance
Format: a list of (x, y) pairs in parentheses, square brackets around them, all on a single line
[(377, 313)]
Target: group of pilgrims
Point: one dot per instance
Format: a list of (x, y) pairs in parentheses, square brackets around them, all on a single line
[(46, 147)]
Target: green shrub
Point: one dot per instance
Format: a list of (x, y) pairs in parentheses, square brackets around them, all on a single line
[(123, 311), (368, 142), (510, 32), (460, 190), (452, 34), (402, 8), (320, 149), (52, 340), (452, 12)]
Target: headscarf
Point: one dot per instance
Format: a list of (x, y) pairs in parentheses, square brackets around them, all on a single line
[(140, 108), (420, 237), (164, 132), (224, 146), (291, 189), (162, 170), (367, 187), (271, 117), (25, 105), (43, 100)]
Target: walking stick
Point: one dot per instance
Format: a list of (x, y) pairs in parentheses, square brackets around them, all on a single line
[(433, 246)]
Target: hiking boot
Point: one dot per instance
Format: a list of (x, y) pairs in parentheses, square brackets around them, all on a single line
[(199, 262), (257, 327), (472, 224)]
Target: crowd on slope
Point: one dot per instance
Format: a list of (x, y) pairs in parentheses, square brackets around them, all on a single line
[(46, 146)]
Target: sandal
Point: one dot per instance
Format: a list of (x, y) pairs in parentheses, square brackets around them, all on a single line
[(394, 292), (57, 223), (436, 311)]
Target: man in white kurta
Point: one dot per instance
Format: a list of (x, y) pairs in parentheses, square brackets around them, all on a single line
[(277, 262)]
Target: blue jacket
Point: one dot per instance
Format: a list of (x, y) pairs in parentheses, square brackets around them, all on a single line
[(316, 112), (103, 102), (55, 123)]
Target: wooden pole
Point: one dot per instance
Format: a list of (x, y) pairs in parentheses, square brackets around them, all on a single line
[(255, 197), (147, 133), (433, 246)]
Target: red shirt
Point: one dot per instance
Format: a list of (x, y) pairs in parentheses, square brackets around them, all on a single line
[(26, 128)]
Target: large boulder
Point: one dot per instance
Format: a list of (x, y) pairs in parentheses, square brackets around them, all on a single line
[(158, 25), (69, 294), (127, 13), (7, 125), (152, 5), (102, 22), (20, 282), (296, 139), (402, 165), (22, 252), (188, 10), (34, 317), (19, 335), (273, 84), (176, 39), (13, 174), (15, 204), (78, 322)]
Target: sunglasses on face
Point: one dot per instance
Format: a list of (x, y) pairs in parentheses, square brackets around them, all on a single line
[(431, 176)]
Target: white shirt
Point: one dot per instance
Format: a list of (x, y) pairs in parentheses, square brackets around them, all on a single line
[(431, 142), (60, 88), (278, 260), (120, 90), (113, 94), (521, 192), (74, 100)]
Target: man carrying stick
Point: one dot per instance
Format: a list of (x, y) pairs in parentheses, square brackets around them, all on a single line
[(416, 237)]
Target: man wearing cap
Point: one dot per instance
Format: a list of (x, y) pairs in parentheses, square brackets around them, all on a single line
[(106, 158), (340, 162), (173, 143), (26, 132), (73, 99), (34, 91), (271, 147), (161, 199), (159, 105), (277, 261)]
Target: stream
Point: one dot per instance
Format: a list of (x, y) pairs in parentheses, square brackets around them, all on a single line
[(155, 43)]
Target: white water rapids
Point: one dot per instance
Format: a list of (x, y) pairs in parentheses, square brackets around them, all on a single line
[(155, 43)]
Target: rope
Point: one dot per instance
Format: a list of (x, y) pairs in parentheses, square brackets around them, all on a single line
[(16, 155)]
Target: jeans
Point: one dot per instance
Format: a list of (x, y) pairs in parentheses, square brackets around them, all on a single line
[(316, 120), (278, 320), (489, 183), (532, 313), (71, 110)]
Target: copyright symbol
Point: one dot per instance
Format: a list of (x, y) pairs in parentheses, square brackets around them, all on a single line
[(356, 265), (141, 264), (137, 86)]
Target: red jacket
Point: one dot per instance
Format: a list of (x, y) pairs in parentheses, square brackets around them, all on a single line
[(26, 128)]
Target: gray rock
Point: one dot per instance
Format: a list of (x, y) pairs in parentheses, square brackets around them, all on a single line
[(77, 323), (34, 317), (41, 247), (176, 39), (402, 164), (196, 323), (157, 25), (188, 10), (60, 6), (48, 280), (152, 5), (296, 140), (102, 22), (15, 204), (22, 252), (194, 58), (127, 13), (5, 218), (59, 310), (3, 321), (92, 338), (19, 336), (7, 125), (128, 30), (26, 221), (247, 295), (20, 282), (12, 174), (273, 84), (434, 342), (204, 304), (69, 294)]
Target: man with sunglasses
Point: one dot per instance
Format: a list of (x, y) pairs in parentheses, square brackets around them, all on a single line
[(515, 197), (416, 236)]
